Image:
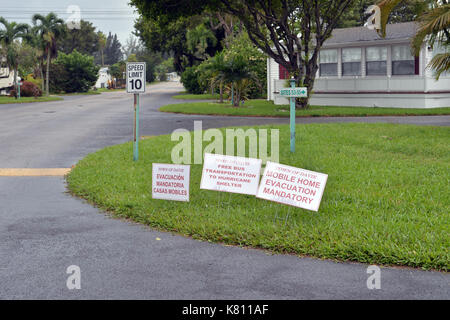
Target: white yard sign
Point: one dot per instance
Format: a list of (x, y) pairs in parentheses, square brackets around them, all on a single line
[(231, 174), (292, 186), (170, 182), (136, 77)]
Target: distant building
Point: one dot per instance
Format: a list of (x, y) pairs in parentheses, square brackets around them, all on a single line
[(6, 77), (359, 68), (6, 81), (103, 78), (172, 76)]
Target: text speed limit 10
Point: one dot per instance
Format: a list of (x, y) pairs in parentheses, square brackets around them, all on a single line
[(136, 77)]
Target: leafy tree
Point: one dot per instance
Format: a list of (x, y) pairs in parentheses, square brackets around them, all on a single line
[(153, 59), (190, 79), (163, 68), (113, 51), (84, 39), (198, 40), (291, 32), (77, 72), (407, 11), (132, 58), (117, 69), (28, 58), (49, 28), (170, 36), (12, 32), (256, 60), (132, 46)]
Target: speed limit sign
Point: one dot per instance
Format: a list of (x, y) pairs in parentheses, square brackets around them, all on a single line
[(136, 77)]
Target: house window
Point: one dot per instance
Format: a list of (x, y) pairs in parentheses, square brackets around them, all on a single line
[(403, 62), (328, 63), (376, 61), (284, 74), (351, 62)]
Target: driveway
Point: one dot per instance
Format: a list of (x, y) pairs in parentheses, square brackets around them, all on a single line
[(44, 230)]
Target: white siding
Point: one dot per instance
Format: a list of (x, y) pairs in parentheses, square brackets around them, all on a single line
[(387, 90)]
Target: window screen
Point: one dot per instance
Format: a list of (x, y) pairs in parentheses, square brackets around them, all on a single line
[(403, 62), (351, 61), (328, 63), (376, 61)]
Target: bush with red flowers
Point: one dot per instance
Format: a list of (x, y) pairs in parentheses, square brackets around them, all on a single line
[(29, 89)]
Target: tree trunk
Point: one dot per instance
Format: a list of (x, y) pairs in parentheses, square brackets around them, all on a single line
[(103, 59), (221, 91), (15, 81), (303, 103), (42, 77), (237, 98), (47, 75)]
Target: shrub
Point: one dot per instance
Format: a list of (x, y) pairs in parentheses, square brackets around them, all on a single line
[(29, 89), (74, 72), (191, 80), (37, 81)]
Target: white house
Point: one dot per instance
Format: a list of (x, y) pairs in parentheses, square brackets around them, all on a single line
[(172, 76), (6, 80), (103, 78), (6, 77), (359, 68)]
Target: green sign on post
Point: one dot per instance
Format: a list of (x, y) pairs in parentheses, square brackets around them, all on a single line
[(292, 93)]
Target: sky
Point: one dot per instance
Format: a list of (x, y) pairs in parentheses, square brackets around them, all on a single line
[(106, 15)]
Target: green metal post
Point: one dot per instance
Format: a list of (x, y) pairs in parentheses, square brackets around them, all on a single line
[(136, 127), (292, 114), (232, 94)]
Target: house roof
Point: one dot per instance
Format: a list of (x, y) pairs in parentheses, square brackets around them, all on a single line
[(399, 31)]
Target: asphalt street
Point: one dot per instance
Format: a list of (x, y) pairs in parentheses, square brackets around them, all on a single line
[(44, 230)]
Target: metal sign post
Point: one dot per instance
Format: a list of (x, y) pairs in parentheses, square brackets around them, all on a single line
[(19, 84), (136, 80), (293, 93), (136, 128), (292, 115)]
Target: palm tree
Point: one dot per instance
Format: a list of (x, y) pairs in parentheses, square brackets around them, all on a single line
[(38, 44), (434, 26), (102, 45), (8, 37), (216, 72), (198, 39), (49, 28), (236, 70)]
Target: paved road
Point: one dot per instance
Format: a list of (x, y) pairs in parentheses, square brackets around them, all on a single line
[(43, 230)]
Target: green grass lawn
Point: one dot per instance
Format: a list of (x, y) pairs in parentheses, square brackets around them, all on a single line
[(386, 200), (266, 108), (206, 96), (8, 100)]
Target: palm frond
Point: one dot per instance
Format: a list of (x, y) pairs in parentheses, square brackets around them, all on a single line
[(386, 7), (433, 24), (440, 64)]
